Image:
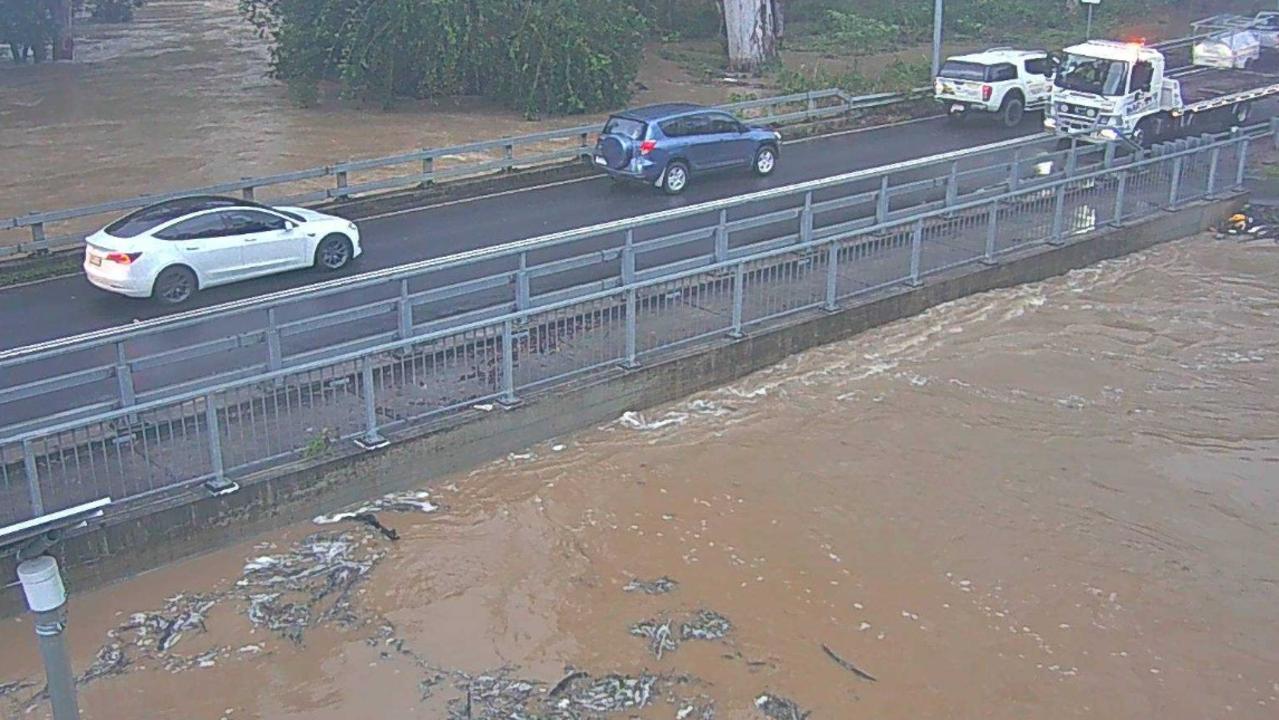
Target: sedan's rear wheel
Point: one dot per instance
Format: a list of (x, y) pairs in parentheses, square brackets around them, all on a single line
[(174, 285), (333, 253)]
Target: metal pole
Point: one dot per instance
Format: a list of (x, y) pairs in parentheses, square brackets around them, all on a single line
[(992, 234), (1213, 159), (46, 596), (632, 322), (916, 251), (1174, 188), (1088, 32), (372, 438), (33, 479), (832, 276), (508, 397), (1120, 191), (739, 290), (938, 13), (1059, 215), (1243, 164)]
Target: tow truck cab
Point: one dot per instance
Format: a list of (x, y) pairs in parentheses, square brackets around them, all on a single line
[(1104, 90)]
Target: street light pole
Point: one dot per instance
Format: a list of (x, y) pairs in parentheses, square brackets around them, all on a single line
[(42, 584), (937, 18)]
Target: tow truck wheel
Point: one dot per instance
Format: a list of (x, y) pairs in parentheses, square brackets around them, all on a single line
[(1012, 112), (1241, 113)]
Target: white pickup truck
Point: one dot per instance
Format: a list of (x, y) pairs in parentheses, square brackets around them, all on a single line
[(1001, 81)]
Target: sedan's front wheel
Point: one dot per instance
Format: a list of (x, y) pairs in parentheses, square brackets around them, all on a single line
[(174, 286), (333, 253)]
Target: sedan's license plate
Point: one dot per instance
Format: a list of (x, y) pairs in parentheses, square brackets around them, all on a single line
[(599, 160), (95, 260)]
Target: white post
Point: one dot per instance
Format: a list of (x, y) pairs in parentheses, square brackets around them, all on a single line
[(938, 12), (46, 596)]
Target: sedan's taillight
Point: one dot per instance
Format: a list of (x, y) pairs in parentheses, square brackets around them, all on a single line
[(647, 147), (123, 258)]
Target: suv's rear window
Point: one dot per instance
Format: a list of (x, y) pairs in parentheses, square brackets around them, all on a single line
[(959, 70), (626, 127)]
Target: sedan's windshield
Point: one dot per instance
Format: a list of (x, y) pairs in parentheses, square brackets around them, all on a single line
[(1093, 75), (958, 70)]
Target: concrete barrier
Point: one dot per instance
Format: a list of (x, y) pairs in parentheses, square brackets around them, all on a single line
[(152, 536)]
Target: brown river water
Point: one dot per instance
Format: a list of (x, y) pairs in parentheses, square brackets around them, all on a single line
[(1058, 500), (181, 98)]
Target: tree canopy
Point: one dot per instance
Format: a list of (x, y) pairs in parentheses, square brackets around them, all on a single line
[(536, 56)]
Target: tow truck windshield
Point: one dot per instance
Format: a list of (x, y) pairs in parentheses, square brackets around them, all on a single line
[(1093, 75)]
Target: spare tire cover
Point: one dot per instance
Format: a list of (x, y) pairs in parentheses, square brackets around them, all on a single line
[(616, 151)]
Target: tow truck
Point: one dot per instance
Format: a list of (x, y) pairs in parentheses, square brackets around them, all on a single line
[(1106, 91)]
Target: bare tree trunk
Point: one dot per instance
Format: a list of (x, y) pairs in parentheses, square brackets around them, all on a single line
[(779, 21), (752, 34)]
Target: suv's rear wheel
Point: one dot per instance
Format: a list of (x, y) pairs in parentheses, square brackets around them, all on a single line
[(1013, 111), (765, 161), (675, 179), (174, 285)]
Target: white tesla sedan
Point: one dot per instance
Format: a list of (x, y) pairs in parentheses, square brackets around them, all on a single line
[(169, 250)]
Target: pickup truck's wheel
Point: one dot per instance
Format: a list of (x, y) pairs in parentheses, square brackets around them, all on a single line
[(1012, 112), (1145, 134)]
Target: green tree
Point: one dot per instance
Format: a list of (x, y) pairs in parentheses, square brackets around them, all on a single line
[(538, 56)]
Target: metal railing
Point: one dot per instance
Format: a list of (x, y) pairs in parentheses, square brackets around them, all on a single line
[(119, 367), (420, 168), (225, 430)]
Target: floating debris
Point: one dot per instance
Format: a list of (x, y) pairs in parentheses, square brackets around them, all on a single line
[(660, 638), (9, 688), (109, 661), (779, 708), (660, 586), (613, 693), (847, 665), (371, 520), (395, 502), (163, 629), (706, 625), (310, 583)]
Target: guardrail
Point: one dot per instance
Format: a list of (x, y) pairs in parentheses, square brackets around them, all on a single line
[(423, 167), (223, 431), (355, 177), (122, 366)]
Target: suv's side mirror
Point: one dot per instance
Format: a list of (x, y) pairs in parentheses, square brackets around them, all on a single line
[(290, 225)]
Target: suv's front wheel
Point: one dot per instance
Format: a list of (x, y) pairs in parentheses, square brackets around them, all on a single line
[(675, 179), (765, 161)]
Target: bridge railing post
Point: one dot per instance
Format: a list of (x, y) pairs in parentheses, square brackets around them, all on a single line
[(832, 276), (508, 397), (739, 289), (992, 234), (1120, 191), (916, 252), (33, 479), (1057, 237), (1242, 169)]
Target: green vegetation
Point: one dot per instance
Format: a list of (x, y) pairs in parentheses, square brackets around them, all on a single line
[(536, 56), (897, 76), (28, 27)]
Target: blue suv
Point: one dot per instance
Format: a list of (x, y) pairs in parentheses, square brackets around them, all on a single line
[(663, 145)]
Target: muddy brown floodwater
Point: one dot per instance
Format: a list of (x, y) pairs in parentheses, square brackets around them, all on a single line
[(1053, 501), (181, 98)]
